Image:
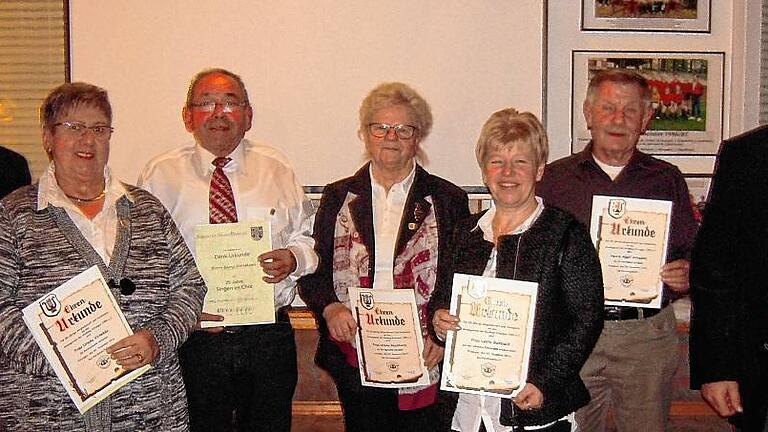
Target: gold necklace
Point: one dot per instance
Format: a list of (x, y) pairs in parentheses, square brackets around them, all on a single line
[(87, 200)]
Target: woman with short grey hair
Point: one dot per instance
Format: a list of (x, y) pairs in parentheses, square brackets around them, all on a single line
[(386, 227)]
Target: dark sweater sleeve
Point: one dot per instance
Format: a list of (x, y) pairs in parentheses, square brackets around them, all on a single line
[(15, 172), (316, 289), (582, 290), (449, 232), (458, 212), (725, 255), (441, 296), (683, 227)]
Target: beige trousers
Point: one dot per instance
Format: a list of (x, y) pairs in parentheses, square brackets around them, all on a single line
[(629, 373)]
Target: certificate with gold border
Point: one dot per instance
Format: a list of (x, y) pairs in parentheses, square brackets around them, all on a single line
[(631, 236), (489, 355), (73, 325), (388, 339), (227, 258)]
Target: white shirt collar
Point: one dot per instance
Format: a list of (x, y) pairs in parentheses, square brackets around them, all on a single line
[(205, 159), (484, 223), (403, 186), (49, 192)]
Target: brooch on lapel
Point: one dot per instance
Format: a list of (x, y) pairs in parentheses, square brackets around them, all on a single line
[(418, 216)]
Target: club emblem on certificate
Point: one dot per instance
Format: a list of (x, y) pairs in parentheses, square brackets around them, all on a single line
[(489, 355), (73, 325), (227, 257), (388, 338), (631, 236), (257, 232)]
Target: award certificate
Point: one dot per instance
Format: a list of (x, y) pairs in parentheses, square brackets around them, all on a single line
[(227, 257), (489, 354), (388, 338), (631, 236), (73, 325)]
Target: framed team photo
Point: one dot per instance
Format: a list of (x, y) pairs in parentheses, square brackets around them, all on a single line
[(685, 16), (686, 97)]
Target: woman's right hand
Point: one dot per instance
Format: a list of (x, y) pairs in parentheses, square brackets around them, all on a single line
[(341, 323), (136, 350), (443, 322)]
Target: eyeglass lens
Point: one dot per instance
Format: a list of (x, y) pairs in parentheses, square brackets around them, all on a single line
[(380, 130), (226, 106)]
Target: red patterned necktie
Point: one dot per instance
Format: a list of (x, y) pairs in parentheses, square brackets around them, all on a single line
[(221, 202)]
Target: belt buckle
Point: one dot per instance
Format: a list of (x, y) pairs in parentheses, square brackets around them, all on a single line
[(612, 313)]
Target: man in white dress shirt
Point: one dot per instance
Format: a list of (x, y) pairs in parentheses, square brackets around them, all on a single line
[(238, 378)]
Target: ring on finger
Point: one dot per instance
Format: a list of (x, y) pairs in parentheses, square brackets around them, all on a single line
[(141, 357)]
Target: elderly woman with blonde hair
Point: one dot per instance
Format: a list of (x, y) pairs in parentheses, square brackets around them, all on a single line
[(386, 227), (522, 238)]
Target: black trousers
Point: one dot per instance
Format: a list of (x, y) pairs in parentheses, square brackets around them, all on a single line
[(372, 409), (240, 381)]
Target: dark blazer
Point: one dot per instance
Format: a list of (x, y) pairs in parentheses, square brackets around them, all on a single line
[(729, 278), (450, 206), (557, 253), (14, 171)]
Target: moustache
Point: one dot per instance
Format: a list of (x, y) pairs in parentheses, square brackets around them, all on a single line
[(218, 123)]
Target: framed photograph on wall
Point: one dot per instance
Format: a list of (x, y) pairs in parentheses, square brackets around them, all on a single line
[(685, 16), (686, 96)]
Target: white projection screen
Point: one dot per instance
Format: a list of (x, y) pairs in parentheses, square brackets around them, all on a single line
[(307, 66)]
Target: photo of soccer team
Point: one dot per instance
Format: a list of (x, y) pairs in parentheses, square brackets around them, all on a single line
[(647, 15), (677, 9)]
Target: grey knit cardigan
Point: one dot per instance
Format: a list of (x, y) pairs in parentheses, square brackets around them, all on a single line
[(41, 249)]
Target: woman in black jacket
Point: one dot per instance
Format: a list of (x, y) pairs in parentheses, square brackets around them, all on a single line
[(521, 238)]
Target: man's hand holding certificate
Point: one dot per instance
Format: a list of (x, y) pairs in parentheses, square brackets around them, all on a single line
[(489, 354)]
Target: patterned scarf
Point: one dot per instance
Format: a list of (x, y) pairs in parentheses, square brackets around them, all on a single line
[(415, 268)]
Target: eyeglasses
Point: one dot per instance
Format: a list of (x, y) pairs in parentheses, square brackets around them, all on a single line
[(227, 106), (380, 130), (80, 129)]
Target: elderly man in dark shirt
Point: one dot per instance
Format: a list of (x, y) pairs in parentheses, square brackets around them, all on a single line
[(632, 365), (14, 171)]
